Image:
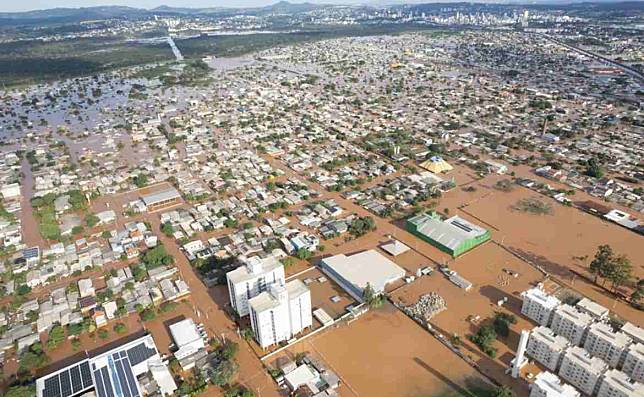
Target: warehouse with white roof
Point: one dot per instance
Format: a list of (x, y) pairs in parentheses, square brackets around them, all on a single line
[(354, 272)]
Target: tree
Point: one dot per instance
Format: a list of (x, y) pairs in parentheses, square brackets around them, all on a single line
[(91, 220), (140, 180), (56, 337), (224, 372), (484, 338), (74, 329), (24, 289), (503, 391), (371, 298), (120, 328), (621, 271), (361, 226), (502, 323), (229, 350), (609, 266), (594, 169), (247, 334), (148, 315), (166, 228), (156, 257), (34, 358), (103, 333), (21, 391), (601, 263), (303, 253)]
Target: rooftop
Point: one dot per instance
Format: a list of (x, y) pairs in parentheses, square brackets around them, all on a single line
[(254, 268), (582, 358), (160, 196), (271, 299), (548, 336), (451, 232), (115, 369), (572, 314), (367, 267), (553, 387), (185, 333), (620, 381), (539, 295), (634, 332), (605, 331), (592, 308)]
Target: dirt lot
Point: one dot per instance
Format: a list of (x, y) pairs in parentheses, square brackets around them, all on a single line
[(384, 353)]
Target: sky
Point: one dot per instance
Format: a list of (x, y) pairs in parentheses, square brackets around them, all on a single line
[(26, 5)]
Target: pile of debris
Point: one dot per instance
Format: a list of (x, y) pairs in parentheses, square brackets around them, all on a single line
[(428, 306)]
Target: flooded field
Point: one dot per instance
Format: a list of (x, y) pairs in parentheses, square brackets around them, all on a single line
[(384, 353)]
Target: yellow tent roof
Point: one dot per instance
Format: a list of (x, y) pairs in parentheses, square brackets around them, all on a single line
[(436, 165)]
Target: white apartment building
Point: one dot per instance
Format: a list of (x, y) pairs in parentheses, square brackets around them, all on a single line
[(634, 362), (636, 333), (618, 384), (546, 347), (592, 308), (281, 312), (251, 279), (582, 370), (610, 346), (570, 323), (547, 384), (538, 306)]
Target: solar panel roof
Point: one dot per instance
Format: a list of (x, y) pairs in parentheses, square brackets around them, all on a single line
[(110, 374), (69, 382)]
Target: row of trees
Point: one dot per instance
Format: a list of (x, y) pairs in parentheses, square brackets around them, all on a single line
[(609, 266)]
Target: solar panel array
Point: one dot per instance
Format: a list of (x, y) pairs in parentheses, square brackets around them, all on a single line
[(117, 380), (72, 381), (140, 353)]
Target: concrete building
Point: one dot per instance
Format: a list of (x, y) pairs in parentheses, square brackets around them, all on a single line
[(281, 312), (570, 323), (547, 384), (610, 346), (636, 333), (592, 308), (354, 272), (161, 199), (251, 279), (618, 384), (539, 306), (188, 341), (546, 347), (634, 362), (582, 370), (10, 191)]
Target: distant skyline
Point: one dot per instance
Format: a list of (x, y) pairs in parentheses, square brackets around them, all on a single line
[(31, 5)]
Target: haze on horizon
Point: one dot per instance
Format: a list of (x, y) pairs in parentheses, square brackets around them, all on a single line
[(28, 5)]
